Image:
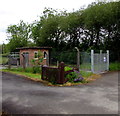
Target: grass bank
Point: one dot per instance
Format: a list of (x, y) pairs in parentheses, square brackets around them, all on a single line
[(88, 76), (25, 74)]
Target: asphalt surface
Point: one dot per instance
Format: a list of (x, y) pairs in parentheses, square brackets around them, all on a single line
[(23, 96)]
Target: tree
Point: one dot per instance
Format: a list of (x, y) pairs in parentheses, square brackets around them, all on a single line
[(71, 24), (19, 35), (95, 27), (47, 30)]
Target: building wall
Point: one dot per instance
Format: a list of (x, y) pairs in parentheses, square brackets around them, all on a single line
[(32, 54)]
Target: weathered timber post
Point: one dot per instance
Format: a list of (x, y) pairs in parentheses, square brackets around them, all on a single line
[(78, 58), (61, 78)]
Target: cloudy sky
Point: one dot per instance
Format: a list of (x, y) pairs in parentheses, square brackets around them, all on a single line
[(12, 11)]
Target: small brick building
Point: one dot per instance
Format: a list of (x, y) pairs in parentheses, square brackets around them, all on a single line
[(32, 53)]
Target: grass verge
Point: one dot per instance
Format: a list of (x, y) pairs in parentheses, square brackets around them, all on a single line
[(88, 77), (25, 74), (114, 66)]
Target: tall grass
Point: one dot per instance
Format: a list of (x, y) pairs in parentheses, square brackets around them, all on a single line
[(85, 73), (85, 66), (114, 66)]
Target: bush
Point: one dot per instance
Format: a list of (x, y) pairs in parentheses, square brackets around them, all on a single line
[(68, 68), (36, 69), (28, 69), (115, 66), (74, 77)]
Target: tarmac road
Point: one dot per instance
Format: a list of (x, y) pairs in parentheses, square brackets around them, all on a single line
[(23, 96)]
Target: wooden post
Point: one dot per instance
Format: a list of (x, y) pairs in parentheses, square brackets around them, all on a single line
[(61, 73)]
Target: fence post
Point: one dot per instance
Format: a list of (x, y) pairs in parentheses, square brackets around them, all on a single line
[(100, 61), (92, 61), (61, 73), (78, 58), (107, 60), (17, 62), (9, 62)]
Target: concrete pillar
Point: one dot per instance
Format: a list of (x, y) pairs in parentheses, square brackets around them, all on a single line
[(107, 60), (92, 61)]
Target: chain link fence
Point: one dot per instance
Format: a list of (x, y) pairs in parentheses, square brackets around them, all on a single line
[(95, 62), (68, 57), (99, 61), (85, 61)]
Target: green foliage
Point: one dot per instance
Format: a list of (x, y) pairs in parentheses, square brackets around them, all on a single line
[(69, 57), (86, 74), (37, 62), (36, 69), (95, 27), (68, 68), (28, 69), (20, 72), (38, 59), (115, 66), (71, 76), (19, 35)]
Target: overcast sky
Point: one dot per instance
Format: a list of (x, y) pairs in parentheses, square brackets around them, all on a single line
[(12, 11)]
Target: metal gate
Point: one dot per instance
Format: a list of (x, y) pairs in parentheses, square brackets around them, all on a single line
[(13, 59), (99, 61)]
